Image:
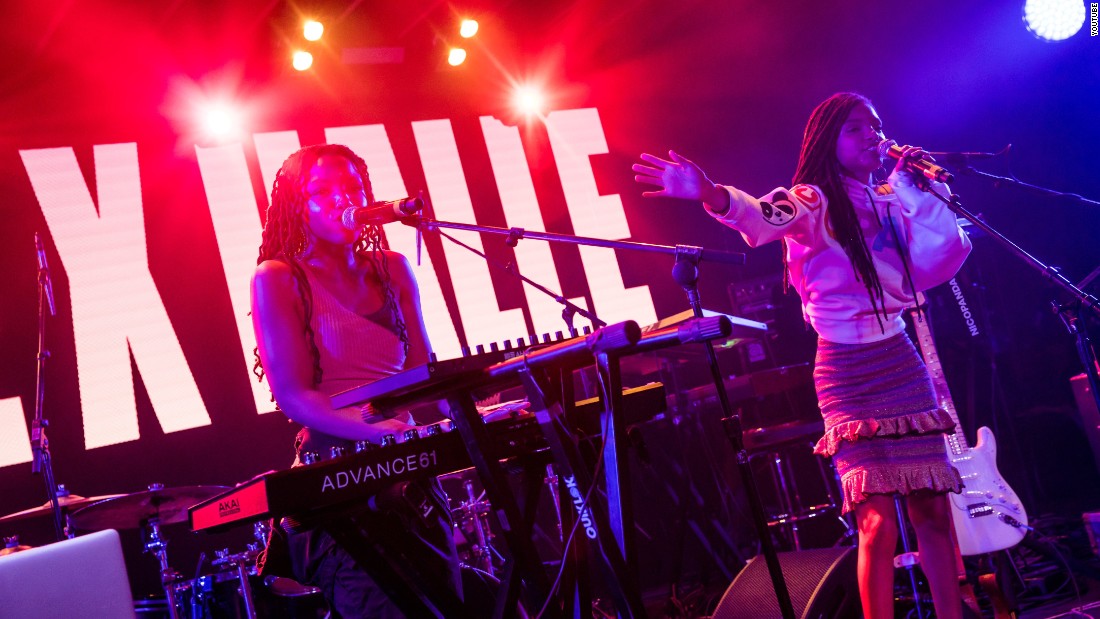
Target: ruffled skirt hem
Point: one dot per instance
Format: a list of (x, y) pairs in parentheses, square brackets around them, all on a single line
[(932, 421), (859, 484)]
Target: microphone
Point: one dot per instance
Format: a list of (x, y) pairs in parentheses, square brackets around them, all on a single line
[(378, 213), (890, 148), (44, 273)]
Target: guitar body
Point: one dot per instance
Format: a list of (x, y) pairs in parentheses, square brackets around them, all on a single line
[(985, 496), (979, 512)]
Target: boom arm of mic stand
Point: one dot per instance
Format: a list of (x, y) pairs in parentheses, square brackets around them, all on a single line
[(1052, 274), (1005, 180), (1068, 312), (514, 235)]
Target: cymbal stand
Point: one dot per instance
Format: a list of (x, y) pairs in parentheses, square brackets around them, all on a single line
[(156, 544), (478, 512), (41, 464)]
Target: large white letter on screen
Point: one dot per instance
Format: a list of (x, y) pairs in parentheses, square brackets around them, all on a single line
[(237, 229), (574, 136), (482, 319), (521, 208), (372, 144), (15, 441), (114, 299)]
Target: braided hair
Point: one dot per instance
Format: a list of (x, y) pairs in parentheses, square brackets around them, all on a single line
[(286, 238), (818, 165)]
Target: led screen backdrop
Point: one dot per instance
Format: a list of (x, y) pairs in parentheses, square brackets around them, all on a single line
[(151, 227)]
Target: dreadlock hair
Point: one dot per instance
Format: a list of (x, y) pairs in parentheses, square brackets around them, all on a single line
[(818, 165), (286, 238)]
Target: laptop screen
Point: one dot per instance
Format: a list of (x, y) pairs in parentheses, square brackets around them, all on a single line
[(80, 577)]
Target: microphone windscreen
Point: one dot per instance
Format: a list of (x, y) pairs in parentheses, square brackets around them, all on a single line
[(348, 218), (884, 147)]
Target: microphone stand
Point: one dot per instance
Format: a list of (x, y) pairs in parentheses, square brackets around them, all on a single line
[(685, 272), (569, 310), (41, 464), (1069, 313), (998, 181)]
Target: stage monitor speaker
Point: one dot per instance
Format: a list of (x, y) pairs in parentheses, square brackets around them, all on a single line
[(822, 584)]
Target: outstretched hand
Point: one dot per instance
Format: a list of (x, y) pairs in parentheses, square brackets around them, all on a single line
[(678, 178)]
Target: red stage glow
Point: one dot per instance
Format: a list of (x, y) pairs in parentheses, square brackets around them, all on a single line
[(529, 100), (221, 121)]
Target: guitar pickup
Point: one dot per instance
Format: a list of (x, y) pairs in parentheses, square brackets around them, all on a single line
[(977, 510)]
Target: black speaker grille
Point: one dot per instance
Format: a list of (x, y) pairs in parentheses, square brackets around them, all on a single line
[(822, 584)]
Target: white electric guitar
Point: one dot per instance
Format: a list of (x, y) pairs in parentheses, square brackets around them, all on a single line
[(988, 511)]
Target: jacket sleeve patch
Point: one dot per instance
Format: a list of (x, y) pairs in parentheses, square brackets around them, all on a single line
[(808, 195), (780, 210)]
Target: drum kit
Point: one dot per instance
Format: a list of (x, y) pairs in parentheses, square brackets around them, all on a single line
[(231, 590)]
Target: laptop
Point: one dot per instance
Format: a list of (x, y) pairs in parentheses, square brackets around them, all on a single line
[(80, 577)]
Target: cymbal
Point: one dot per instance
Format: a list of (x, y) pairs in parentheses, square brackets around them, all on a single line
[(10, 550), (130, 511), (69, 502), (12, 546)]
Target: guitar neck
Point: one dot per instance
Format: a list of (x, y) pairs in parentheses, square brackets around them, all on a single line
[(939, 383)]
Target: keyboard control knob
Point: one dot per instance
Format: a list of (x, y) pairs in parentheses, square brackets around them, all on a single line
[(361, 446), (388, 440), (434, 429), (411, 435)]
